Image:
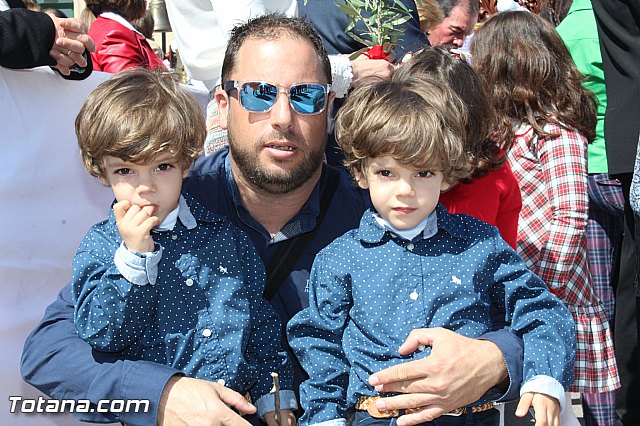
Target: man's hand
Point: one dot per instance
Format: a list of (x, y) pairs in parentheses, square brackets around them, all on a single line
[(135, 224), (193, 402), (546, 408), (70, 43), (364, 69), (457, 373), (287, 418)]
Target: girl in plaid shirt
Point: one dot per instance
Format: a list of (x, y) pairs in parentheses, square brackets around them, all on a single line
[(546, 120)]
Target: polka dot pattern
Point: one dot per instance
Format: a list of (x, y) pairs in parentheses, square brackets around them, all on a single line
[(205, 314), (370, 288)]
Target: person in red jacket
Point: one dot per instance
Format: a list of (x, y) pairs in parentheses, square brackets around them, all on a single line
[(118, 44)]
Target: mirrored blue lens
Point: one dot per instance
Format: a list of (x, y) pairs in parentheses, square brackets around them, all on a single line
[(258, 97), (307, 98), (304, 98)]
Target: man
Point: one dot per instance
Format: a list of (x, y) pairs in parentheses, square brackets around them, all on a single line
[(460, 16), (271, 183), (29, 39)]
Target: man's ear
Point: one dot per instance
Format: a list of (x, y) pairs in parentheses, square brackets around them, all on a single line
[(222, 99), (330, 98)]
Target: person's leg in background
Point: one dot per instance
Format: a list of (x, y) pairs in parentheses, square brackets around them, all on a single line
[(604, 238), (626, 321)]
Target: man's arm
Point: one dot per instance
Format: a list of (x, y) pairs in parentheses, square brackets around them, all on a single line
[(458, 372), (29, 39), (60, 364)]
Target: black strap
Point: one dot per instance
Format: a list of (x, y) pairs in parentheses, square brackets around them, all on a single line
[(289, 251)]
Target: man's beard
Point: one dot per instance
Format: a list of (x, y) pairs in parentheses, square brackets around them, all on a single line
[(278, 181)]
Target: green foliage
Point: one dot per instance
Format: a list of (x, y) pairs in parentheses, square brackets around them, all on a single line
[(381, 19)]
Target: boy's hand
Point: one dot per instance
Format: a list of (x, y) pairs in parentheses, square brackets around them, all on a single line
[(287, 418), (135, 224), (546, 408)]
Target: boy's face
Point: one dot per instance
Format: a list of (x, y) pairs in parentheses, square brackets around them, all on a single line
[(401, 195), (154, 186)]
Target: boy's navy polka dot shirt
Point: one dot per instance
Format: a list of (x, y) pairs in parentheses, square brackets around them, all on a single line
[(369, 288), (200, 309)]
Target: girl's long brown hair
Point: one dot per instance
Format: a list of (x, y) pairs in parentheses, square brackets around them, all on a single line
[(531, 76)]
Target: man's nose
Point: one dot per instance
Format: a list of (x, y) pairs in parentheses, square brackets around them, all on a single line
[(282, 114)]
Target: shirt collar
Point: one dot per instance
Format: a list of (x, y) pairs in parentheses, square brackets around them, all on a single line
[(427, 227), (580, 5), (119, 19), (189, 212), (183, 213), (370, 231)]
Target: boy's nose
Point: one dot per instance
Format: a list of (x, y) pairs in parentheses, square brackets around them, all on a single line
[(404, 188)]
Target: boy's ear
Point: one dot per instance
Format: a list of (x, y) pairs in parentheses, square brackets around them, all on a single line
[(446, 185), (222, 99), (360, 179)]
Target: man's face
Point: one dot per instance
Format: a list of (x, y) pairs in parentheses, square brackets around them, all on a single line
[(279, 150), (454, 28)]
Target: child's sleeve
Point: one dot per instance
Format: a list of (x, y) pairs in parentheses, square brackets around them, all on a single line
[(114, 296), (533, 313), (315, 334), (264, 350)]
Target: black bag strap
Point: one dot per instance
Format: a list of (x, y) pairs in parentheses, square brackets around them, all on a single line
[(284, 259)]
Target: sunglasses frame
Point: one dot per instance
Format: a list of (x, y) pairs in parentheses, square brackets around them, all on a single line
[(230, 85)]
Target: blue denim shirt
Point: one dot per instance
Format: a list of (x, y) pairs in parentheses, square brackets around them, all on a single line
[(195, 304), (62, 366), (370, 288)]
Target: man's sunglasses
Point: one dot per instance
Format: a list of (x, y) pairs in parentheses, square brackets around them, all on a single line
[(259, 96)]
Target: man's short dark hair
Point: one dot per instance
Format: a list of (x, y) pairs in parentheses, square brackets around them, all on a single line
[(472, 6), (270, 27)]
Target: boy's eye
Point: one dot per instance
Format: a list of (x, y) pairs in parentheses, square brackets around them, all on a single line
[(165, 166), (425, 174), (123, 171), (385, 173)]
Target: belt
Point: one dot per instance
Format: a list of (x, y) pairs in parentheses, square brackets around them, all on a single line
[(368, 404)]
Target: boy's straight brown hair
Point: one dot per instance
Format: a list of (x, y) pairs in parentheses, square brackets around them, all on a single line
[(137, 114), (416, 121)]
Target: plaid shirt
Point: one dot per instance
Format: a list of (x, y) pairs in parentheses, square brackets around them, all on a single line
[(552, 240)]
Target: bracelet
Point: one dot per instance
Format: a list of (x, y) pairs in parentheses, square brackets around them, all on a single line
[(341, 74)]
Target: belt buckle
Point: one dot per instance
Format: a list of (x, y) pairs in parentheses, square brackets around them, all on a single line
[(374, 412)]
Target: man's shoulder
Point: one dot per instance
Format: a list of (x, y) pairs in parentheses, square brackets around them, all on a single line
[(209, 165)]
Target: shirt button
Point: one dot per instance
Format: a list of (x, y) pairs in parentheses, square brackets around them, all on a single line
[(413, 296), (222, 382), (206, 332), (189, 282), (421, 347), (410, 246), (174, 237)]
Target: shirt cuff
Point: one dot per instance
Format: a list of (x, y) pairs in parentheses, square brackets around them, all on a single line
[(138, 268), (512, 349), (546, 385), (266, 403), (341, 74)]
